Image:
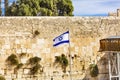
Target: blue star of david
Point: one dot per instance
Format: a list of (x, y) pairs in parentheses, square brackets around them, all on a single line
[(60, 38)]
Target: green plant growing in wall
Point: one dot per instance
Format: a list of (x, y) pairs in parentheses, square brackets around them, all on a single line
[(57, 59), (35, 65), (2, 78), (36, 33), (94, 70), (12, 60), (83, 67), (34, 60), (22, 55), (63, 61), (19, 66), (35, 69)]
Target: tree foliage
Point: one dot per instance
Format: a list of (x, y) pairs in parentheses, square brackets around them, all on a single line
[(40, 8), (0, 9), (6, 5)]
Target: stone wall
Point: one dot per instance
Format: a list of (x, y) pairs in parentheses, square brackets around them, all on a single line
[(16, 36)]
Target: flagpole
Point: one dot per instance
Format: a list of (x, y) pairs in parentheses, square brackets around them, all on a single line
[(70, 58), (64, 38)]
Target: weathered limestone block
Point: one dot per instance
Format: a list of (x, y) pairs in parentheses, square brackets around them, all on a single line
[(18, 51), (13, 76), (18, 46), (8, 51), (29, 51), (8, 77), (24, 50), (33, 41), (26, 71), (2, 51), (24, 60), (1, 71)]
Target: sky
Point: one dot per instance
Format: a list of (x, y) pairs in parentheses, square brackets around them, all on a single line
[(92, 7), (95, 7)]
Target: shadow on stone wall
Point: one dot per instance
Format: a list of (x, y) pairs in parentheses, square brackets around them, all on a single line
[(103, 68)]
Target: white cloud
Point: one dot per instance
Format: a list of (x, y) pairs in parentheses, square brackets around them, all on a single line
[(93, 7)]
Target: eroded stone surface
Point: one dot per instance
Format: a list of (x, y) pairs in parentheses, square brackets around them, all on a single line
[(85, 32)]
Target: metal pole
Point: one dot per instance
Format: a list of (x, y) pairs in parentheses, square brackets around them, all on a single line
[(109, 66), (70, 58), (118, 66)]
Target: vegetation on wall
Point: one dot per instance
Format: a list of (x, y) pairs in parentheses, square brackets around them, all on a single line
[(22, 55), (2, 78), (12, 60), (19, 66), (62, 60), (36, 33), (40, 8), (94, 70), (36, 69), (34, 62)]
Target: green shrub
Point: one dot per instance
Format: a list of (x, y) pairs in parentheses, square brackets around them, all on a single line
[(57, 59), (35, 69), (93, 70), (35, 66), (12, 60), (62, 60), (34, 60), (19, 66), (22, 55), (2, 78)]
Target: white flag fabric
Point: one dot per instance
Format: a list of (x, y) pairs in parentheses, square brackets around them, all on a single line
[(63, 38)]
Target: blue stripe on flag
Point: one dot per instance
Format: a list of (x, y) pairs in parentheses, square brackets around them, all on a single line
[(62, 34), (61, 42)]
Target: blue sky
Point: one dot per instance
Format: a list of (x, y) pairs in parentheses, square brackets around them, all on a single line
[(93, 7)]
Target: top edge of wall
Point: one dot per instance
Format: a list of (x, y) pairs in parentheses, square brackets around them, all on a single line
[(57, 16)]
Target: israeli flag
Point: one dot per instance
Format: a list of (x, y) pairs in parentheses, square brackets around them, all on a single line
[(63, 38)]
